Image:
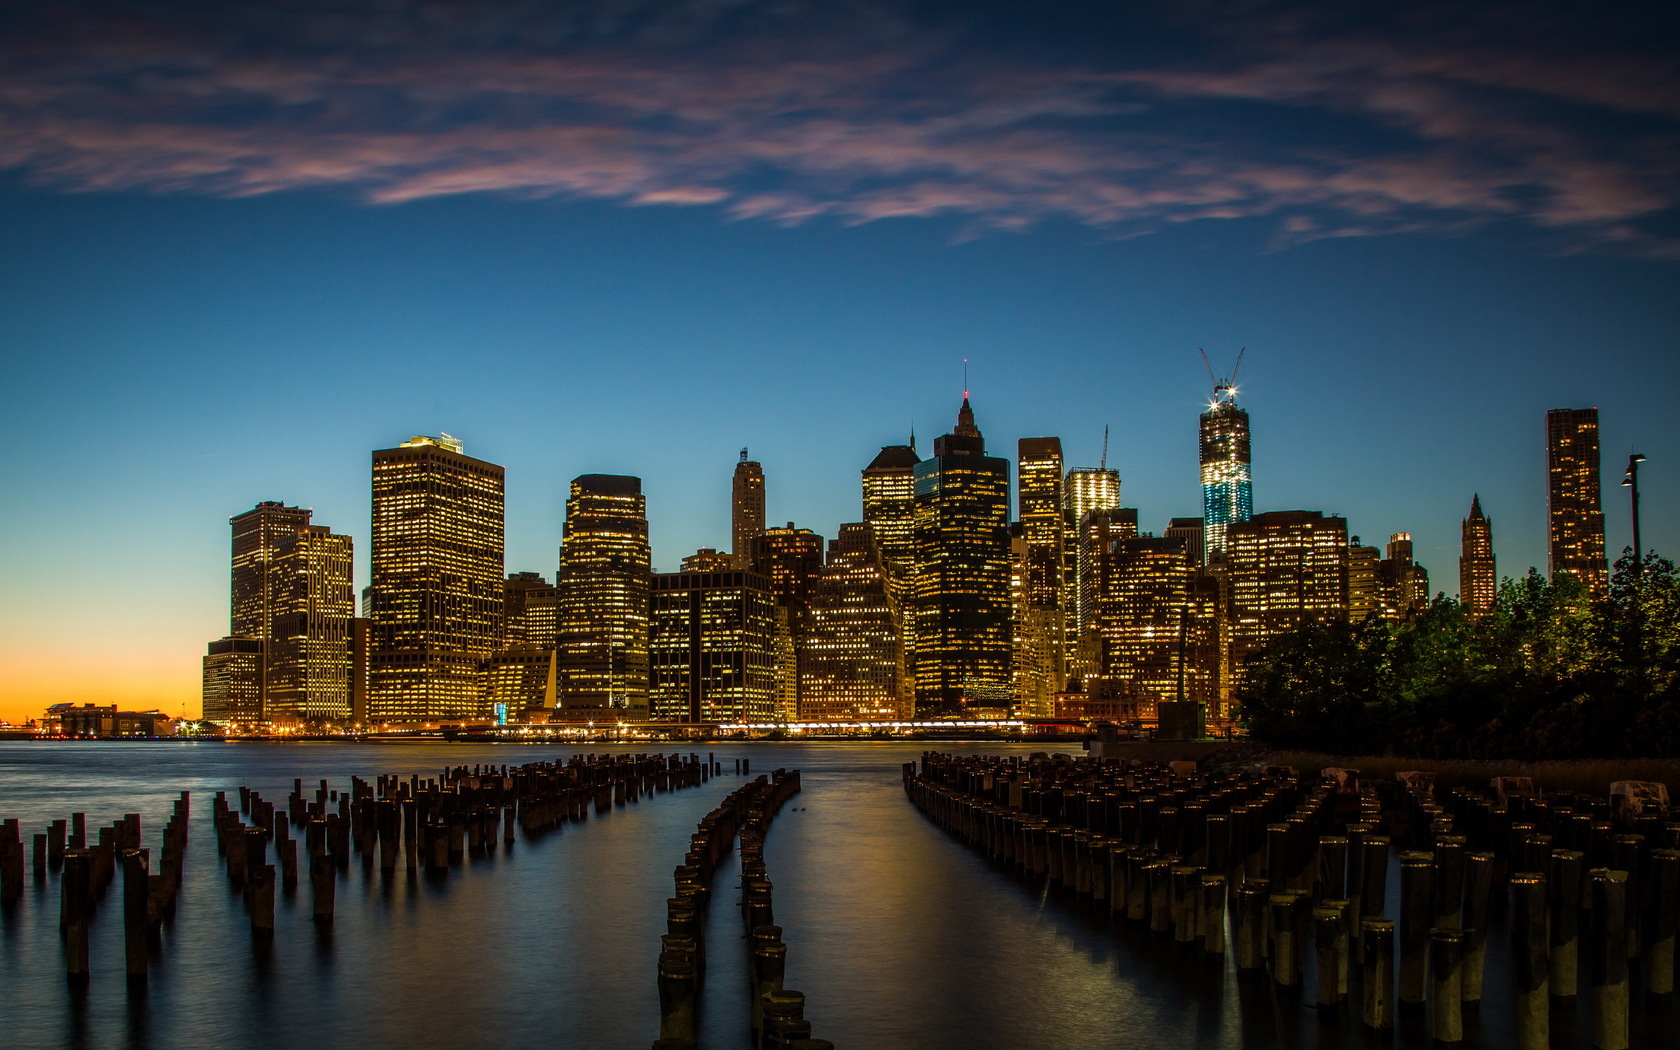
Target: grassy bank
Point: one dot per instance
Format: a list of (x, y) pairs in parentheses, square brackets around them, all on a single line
[(1592, 776)]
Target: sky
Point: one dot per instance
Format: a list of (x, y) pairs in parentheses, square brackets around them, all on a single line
[(241, 246)]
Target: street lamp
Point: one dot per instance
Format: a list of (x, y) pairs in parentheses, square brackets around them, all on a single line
[(1630, 481)]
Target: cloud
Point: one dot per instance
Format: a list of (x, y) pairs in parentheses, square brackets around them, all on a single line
[(788, 112)]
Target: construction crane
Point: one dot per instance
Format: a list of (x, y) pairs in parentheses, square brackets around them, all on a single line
[(1223, 389)]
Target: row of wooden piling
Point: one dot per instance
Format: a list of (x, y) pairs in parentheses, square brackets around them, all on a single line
[(86, 873), (777, 1018), (1303, 869)]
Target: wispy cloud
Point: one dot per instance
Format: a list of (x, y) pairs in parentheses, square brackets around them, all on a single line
[(787, 112)]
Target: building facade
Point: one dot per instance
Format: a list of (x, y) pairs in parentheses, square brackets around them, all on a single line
[(605, 564), (1284, 569), (310, 644), (1574, 514), (437, 585), (851, 667), (1478, 576), (1227, 484), (791, 559), (711, 647), (961, 603)]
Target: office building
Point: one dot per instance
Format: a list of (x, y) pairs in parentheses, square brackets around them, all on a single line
[(1039, 580), (1478, 579), (1085, 491), (1574, 515), (1189, 529), (437, 585), (851, 666), (530, 610), (746, 504), (711, 647), (605, 563), (1402, 582), (1285, 569), (1154, 618), (790, 558), (309, 672), (960, 601), (709, 559), (232, 686), (1227, 487), (889, 508)]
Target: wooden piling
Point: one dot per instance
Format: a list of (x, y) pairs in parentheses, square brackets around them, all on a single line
[(1416, 880), (1446, 971), (76, 913), (1529, 944), (323, 879), (1330, 950), (678, 992), (1608, 960), (1377, 985), (136, 898), (1565, 889), (1665, 917)]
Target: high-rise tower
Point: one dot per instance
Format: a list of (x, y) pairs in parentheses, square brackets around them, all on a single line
[(961, 585), (746, 509), (437, 579), (852, 665), (1227, 487), (1041, 590), (1286, 568), (605, 564), (889, 503), (1478, 581), (1574, 515)]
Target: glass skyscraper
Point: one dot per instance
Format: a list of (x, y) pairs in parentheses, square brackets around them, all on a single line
[(605, 565), (1227, 486)]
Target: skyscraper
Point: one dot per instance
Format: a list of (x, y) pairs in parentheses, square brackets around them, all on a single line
[(711, 647), (889, 506), (1574, 515), (790, 558), (961, 606), (309, 654), (851, 667), (288, 653), (1154, 635), (530, 610), (605, 563), (1285, 569), (437, 580), (1478, 579), (746, 508), (1086, 490), (1040, 567), (1227, 489)]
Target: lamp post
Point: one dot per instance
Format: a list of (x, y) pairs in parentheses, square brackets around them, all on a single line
[(1630, 481)]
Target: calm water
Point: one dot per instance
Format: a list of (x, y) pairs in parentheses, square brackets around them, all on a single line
[(899, 936)]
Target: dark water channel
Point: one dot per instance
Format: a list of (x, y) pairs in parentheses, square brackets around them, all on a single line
[(899, 936)]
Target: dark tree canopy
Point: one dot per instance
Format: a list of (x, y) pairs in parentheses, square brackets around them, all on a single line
[(1549, 673)]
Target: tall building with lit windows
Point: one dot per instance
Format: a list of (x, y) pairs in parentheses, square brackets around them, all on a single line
[(1574, 515), (1156, 632), (288, 653), (746, 508), (605, 563), (1094, 538), (1284, 569), (1478, 577), (1086, 490), (530, 610), (437, 584), (1040, 568), (960, 602), (889, 505), (309, 660), (1227, 487), (711, 646), (790, 558), (851, 668)]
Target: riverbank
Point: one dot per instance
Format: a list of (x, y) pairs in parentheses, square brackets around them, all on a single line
[(1580, 775)]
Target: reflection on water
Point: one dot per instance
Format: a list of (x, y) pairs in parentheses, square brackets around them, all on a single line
[(898, 935)]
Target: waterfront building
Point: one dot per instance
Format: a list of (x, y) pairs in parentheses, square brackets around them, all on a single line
[(851, 667), (309, 658), (1478, 579), (605, 564), (530, 610), (889, 509), (1153, 621), (790, 558), (1575, 518), (960, 601), (437, 584), (520, 680), (1037, 638), (1040, 568), (1284, 569), (232, 686), (746, 509), (288, 652), (1227, 485), (711, 647)]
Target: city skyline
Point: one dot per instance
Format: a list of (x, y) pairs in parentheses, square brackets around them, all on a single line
[(596, 241)]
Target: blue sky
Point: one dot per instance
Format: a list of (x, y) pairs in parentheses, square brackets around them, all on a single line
[(237, 255)]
